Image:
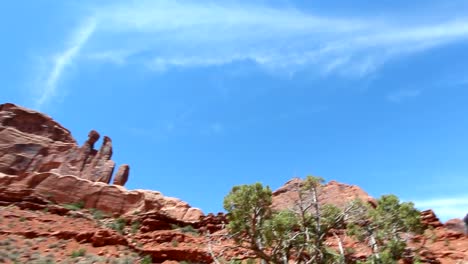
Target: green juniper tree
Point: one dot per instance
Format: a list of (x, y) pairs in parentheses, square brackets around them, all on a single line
[(298, 234), (315, 222), (249, 208), (386, 228)]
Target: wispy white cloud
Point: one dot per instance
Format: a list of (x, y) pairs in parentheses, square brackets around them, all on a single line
[(165, 34), (446, 207), (401, 95), (48, 87)]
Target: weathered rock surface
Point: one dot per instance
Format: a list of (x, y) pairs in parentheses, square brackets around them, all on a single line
[(174, 245), (456, 225), (31, 142), (164, 237), (429, 218), (108, 198), (440, 244), (333, 192), (122, 175), (39, 158)]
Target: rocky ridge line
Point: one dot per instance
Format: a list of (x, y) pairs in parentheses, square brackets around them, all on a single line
[(40, 158)]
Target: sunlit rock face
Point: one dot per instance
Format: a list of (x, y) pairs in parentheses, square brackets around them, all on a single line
[(39, 158), (333, 192), (31, 142)]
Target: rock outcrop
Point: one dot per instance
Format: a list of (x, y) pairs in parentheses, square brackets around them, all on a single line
[(39, 159), (456, 225), (31, 142), (108, 198), (441, 243), (429, 218), (122, 175), (333, 192)]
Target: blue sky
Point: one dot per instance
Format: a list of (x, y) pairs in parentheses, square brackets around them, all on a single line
[(199, 96)]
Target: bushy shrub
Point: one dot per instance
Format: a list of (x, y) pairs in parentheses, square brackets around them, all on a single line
[(74, 206), (118, 225), (146, 260), (135, 227), (97, 214), (189, 229), (78, 253)]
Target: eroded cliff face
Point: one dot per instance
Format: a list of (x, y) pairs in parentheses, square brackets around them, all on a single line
[(40, 158), (31, 142)]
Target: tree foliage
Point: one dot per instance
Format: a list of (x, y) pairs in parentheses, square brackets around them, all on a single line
[(280, 236), (386, 228), (249, 207), (300, 233)]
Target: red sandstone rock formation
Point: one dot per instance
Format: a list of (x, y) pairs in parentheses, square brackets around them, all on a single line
[(108, 198), (456, 225), (443, 244), (122, 175), (39, 158), (40, 163), (31, 142), (429, 218), (333, 192)]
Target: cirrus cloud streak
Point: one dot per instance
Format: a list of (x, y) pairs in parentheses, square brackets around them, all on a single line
[(161, 35)]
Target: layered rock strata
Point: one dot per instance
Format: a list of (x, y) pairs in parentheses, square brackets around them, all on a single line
[(31, 142), (39, 159)]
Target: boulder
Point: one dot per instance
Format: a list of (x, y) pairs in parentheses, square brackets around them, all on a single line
[(429, 219), (456, 225), (122, 175)]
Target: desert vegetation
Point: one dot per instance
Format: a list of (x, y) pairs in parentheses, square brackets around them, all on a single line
[(301, 234), (40, 237)]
